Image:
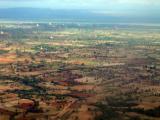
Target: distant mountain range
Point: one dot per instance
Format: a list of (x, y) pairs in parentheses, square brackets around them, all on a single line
[(40, 13), (50, 14)]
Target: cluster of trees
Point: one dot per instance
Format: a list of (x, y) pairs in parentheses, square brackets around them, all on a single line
[(151, 112), (117, 107), (3, 51), (108, 113)]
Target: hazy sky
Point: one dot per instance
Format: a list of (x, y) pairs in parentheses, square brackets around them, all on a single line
[(118, 7)]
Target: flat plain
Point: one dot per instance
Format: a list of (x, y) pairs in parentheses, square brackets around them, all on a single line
[(79, 71)]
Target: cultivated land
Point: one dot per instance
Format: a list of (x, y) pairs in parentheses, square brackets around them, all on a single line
[(79, 71)]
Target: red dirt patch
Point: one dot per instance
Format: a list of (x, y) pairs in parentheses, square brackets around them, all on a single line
[(6, 60)]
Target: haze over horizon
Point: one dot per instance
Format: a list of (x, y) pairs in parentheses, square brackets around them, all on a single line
[(146, 9)]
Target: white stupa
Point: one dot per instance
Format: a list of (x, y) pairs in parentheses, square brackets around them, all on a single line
[(1, 32), (50, 23), (37, 25)]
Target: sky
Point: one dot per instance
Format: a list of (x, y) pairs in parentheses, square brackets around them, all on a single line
[(108, 7)]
